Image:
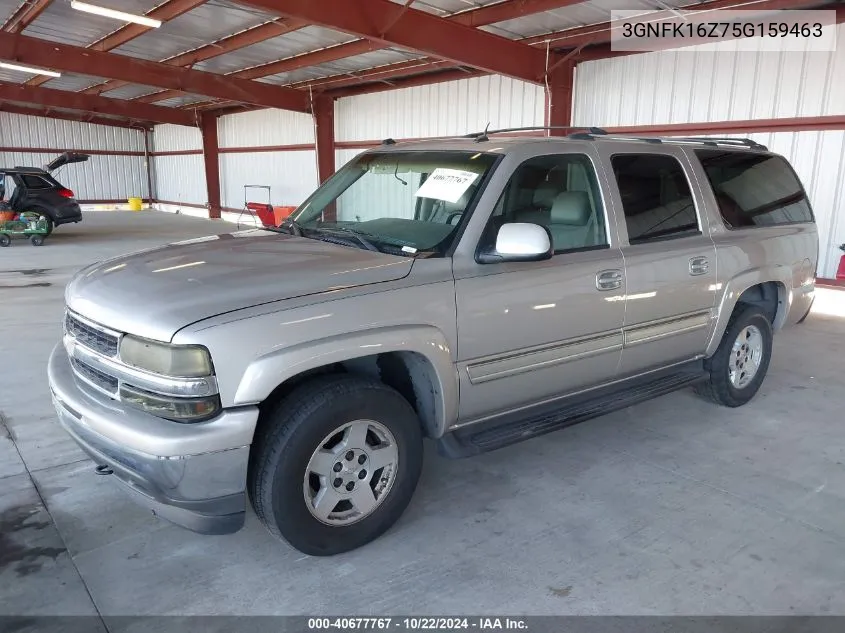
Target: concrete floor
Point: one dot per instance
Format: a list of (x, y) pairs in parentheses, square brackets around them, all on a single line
[(674, 506)]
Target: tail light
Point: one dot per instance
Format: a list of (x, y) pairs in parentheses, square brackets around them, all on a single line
[(65, 193), (840, 272)]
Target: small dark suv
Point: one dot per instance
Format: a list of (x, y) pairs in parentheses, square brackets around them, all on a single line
[(37, 191)]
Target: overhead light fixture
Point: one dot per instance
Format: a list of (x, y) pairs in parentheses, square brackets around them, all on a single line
[(117, 15), (30, 69)]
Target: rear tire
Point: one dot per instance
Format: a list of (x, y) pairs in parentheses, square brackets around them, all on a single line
[(740, 363), (37, 240), (5, 240), (308, 479)]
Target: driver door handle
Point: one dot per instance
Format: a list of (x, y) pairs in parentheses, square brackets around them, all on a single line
[(609, 279)]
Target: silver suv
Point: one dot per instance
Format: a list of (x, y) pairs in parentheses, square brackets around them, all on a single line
[(477, 292)]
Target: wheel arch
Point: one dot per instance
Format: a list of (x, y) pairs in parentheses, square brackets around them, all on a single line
[(768, 288), (415, 361)]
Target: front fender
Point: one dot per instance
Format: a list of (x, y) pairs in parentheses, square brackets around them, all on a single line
[(733, 289), (267, 372)]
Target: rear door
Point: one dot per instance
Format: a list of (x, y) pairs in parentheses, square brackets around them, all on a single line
[(670, 258)]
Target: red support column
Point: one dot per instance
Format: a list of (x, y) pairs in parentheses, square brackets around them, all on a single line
[(324, 116), (559, 96), (211, 155)]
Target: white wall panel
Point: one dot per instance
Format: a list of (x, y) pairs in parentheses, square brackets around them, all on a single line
[(21, 130), (101, 177), (292, 176), (176, 138), (265, 127), (444, 109), (731, 80), (343, 156), (180, 178)]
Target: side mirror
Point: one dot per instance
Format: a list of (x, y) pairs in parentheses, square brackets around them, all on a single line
[(519, 242)]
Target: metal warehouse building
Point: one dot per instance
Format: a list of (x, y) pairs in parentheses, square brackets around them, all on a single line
[(197, 116)]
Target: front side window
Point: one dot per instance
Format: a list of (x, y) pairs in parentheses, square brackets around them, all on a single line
[(656, 197), (559, 192), (400, 202), (755, 189)]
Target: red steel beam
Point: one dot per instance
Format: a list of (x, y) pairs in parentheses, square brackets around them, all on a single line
[(164, 12), (250, 36), (560, 93), (417, 31), (600, 32), (25, 15), (97, 105), (575, 38), (793, 124), (211, 158), (481, 16), (407, 82), (37, 52), (71, 116), (324, 118)]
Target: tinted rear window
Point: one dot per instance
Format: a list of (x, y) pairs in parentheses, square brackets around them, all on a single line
[(35, 182), (755, 189)]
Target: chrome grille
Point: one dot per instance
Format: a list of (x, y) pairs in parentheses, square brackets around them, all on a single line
[(95, 377), (90, 336)]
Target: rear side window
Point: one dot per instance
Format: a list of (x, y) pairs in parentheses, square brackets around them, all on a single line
[(35, 182), (656, 197), (755, 189)]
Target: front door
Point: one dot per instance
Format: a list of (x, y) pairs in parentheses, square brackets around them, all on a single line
[(535, 331), (670, 259)]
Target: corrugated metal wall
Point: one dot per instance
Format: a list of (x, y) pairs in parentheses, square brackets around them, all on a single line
[(735, 81), (264, 128), (716, 82), (178, 178), (290, 174), (449, 108), (102, 177), (21, 130)]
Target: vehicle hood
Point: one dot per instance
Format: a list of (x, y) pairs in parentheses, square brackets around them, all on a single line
[(157, 292)]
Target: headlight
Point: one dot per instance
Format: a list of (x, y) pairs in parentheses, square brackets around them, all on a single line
[(178, 410), (188, 361)]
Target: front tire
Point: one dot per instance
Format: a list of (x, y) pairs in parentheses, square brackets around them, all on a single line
[(740, 363), (335, 464)]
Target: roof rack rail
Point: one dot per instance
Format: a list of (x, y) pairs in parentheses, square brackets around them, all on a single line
[(480, 137), (710, 141)]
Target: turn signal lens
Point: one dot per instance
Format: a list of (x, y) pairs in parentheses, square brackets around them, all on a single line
[(184, 410)]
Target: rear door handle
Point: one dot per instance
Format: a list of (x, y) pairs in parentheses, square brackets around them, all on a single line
[(698, 265), (609, 279)]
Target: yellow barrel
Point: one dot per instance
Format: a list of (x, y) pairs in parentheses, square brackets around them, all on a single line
[(135, 204)]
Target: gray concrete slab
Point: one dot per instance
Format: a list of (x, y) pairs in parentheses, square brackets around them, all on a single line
[(674, 506)]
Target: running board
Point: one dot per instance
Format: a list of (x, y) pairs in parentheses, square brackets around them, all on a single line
[(501, 432)]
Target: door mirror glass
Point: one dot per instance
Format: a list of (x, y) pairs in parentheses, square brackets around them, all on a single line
[(519, 242)]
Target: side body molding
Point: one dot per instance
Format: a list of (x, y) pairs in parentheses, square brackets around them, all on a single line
[(265, 373)]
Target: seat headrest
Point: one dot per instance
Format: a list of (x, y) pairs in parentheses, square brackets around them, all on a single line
[(544, 195), (572, 208)]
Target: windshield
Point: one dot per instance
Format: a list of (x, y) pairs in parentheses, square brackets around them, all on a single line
[(403, 202)]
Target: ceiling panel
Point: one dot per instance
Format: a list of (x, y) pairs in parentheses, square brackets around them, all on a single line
[(60, 23), (346, 65), (202, 25), (131, 91), (294, 43)]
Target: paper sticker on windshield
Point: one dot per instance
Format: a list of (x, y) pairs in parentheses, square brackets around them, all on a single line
[(446, 184)]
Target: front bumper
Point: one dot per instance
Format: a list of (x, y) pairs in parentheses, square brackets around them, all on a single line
[(191, 474)]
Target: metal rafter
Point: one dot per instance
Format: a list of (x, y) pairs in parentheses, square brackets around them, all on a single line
[(48, 97), (417, 31), (25, 15), (482, 16), (245, 38), (38, 52), (166, 11), (72, 116)]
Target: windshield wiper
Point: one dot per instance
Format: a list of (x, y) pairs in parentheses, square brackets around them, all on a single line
[(356, 234), (293, 226)]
